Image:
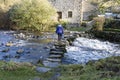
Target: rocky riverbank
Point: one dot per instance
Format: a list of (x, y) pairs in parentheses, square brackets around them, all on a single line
[(107, 35)]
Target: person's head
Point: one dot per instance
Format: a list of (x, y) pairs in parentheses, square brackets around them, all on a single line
[(59, 25)]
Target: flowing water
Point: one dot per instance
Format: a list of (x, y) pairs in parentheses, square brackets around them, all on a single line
[(84, 50), (34, 48)]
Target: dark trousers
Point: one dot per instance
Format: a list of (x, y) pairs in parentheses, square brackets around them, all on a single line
[(59, 37)]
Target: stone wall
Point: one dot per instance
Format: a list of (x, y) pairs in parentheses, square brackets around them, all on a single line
[(68, 5)]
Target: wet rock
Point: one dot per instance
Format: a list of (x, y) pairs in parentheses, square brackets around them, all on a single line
[(46, 47), (21, 35), (17, 56), (9, 44), (5, 50), (55, 56), (20, 51), (70, 42), (42, 69), (36, 61), (1, 44), (36, 37), (51, 64), (7, 56), (28, 52), (56, 52), (54, 60), (62, 50)]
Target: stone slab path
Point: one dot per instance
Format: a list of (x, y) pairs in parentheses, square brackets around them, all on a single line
[(56, 54)]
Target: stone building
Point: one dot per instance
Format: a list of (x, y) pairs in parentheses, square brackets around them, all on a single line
[(68, 10)]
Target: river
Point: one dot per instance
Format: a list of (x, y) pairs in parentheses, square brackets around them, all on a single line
[(36, 48)]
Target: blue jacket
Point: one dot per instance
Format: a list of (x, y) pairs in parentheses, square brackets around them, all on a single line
[(59, 29)]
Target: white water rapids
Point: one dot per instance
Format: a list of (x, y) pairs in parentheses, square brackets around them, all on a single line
[(84, 50)]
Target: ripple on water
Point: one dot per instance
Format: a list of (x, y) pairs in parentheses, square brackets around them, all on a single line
[(33, 48)]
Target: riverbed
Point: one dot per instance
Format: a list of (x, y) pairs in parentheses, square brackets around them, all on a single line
[(28, 47), (25, 47)]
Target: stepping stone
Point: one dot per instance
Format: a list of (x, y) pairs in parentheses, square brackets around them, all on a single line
[(62, 50), (55, 56), (9, 44), (61, 45), (42, 69), (54, 49), (20, 51), (57, 52), (54, 60), (50, 64)]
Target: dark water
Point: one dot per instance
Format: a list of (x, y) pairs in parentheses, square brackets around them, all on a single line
[(34, 48)]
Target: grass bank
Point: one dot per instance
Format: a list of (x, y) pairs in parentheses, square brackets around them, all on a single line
[(21, 71), (103, 69)]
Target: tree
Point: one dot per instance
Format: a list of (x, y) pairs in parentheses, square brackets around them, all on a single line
[(105, 4), (35, 15)]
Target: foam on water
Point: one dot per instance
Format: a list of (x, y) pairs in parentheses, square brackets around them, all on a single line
[(85, 49)]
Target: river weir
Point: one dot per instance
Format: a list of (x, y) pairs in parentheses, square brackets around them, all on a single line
[(84, 50)]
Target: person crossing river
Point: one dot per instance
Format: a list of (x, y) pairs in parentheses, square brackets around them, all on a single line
[(60, 32)]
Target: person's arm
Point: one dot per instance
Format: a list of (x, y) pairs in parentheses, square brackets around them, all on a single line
[(56, 30), (62, 30)]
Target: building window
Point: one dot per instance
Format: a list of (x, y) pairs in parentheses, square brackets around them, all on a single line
[(69, 14), (59, 15)]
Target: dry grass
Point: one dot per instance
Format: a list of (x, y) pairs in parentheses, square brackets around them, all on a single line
[(99, 23)]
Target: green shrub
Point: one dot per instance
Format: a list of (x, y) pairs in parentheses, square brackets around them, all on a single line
[(111, 23), (33, 15), (62, 22)]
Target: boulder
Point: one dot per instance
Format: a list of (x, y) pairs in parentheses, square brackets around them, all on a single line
[(50, 64), (9, 44), (7, 56), (54, 60), (42, 69), (20, 51), (5, 50), (17, 56)]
